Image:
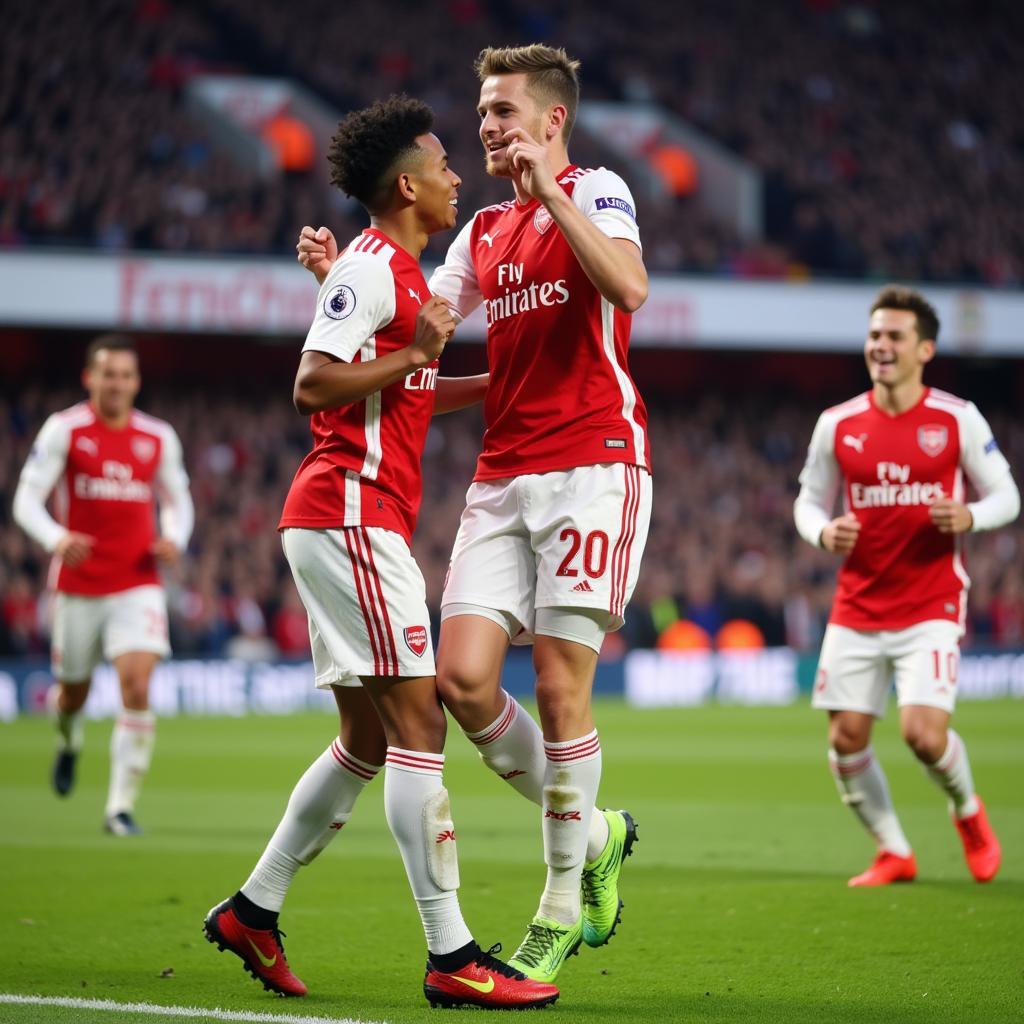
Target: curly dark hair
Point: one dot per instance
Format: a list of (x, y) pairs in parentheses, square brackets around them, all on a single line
[(369, 143)]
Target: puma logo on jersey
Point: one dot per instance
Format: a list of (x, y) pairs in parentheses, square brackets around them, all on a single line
[(856, 443), (489, 238), (87, 444), (416, 296)]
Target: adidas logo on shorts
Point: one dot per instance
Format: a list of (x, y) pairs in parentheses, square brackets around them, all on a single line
[(583, 588)]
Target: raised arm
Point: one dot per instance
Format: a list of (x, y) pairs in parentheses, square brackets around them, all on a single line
[(327, 381), (610, 258)]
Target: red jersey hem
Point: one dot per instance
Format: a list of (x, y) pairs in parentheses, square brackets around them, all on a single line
[(874, 625), (77, 591), (338, 523), (555, 467)]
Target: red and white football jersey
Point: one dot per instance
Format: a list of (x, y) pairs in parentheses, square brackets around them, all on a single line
[(364, 469), (560, 393), (105, 484), (902, 570)]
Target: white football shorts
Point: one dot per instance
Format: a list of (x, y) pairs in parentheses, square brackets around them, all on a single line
[(87, 630), (856, 667), (568, 539), (366, 603)]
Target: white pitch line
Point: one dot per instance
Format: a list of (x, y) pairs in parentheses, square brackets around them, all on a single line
[(193, 1012)]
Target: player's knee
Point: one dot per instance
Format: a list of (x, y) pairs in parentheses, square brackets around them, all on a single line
[(461, 690), (927, 742), (135, 693), (846, 737), (73, 698)]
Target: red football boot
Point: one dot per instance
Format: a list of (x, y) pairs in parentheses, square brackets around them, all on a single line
[(981, 848), (488, 983), (886, 869), (261, 952)]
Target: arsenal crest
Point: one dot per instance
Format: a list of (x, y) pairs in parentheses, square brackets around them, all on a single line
[(143, 448), (542, 220), (415, 639), (932, 439)]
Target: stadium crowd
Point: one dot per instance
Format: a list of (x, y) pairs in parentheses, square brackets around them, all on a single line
[(96, 147), (722, 545)]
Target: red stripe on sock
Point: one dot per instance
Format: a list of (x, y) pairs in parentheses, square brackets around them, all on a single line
[(856, 768), (131, 723), (421, 762), (502, 726), (345, 759), (577, 752)]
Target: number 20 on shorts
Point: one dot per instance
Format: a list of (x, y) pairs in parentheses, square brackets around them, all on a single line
[(595, 553)]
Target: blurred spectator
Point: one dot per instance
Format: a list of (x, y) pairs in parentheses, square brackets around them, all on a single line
[(722, 543), (888, 137)]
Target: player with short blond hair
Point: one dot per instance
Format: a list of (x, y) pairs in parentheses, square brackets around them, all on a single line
[(548, 550), (901, 452)]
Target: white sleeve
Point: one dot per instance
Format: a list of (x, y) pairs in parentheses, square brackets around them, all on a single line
[(43, 468), (606, 200), (177, 514), (819, 483), (455, 280), (986, 467), (356, 299)]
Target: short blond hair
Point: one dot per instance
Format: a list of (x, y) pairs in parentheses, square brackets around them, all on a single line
[(551, 74)]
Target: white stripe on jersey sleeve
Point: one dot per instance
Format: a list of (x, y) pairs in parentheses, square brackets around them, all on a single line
[(43, 468), (356, 299), (605, 199), (456, 280), (819, 480), (374, 452)]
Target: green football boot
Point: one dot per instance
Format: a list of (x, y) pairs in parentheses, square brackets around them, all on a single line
[(548, 944), (602, 908)]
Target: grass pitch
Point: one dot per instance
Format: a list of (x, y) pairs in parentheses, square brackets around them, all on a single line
[(736, 900)]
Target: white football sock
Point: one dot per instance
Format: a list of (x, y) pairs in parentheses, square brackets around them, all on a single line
[(131, 750), (319, 806), (864, 789), (419, 816), (952, 774), (512, 746), (571, 780)]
